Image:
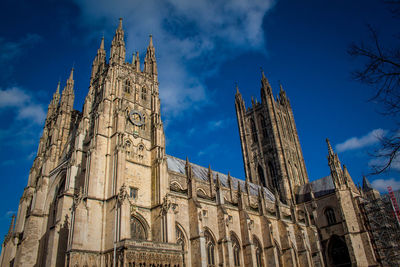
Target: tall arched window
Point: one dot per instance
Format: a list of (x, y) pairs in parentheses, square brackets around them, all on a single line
[(236, 250), (127, 87), (330, 216), (258, 247), (253, 131), (58, 194), (138, 231), (180, 240), (210, 246), (261, 176), (274, 178), (144, 93), (263, 127)]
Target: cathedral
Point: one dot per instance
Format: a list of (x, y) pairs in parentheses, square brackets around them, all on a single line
[(103, 192)]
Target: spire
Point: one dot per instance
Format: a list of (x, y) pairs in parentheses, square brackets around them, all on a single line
[(58, 88), (67, 97), (71, 75), (218, 182), (102, 43), (120, 24), (330, 150), (117, 54), (366, 185), (11, 229), (137, 62), (237, 89), (150, 64)]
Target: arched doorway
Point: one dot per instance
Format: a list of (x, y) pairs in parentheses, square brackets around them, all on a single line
[(338, 254)]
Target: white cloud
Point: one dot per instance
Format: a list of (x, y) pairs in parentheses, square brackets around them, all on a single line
[(23, 104), (382, 184), (192, 39), (369, 139)]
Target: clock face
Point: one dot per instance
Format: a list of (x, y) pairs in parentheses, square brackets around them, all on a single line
[(136, 118)]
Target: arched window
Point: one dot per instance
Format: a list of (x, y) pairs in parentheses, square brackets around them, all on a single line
[(274, 178), (210, 245), (58, 194), (127, 87), (263, 127), (330, 216), (236, 250), (261, 176), (180, 240), (258, 247), (138, 231), (144, 93), (253, 131)]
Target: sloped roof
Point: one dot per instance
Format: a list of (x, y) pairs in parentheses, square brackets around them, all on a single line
[(320, 187), (178, 165)]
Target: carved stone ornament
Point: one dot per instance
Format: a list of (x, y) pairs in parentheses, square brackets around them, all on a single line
[(122, 194), (78, 196), (165, 205)]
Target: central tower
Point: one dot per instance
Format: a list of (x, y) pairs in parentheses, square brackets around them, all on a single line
[(271, 149)]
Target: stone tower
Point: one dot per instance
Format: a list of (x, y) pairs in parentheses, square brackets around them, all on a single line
[(96, 169), (271, 149)]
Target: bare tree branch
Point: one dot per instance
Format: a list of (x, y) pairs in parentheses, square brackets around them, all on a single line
[(381, 71)]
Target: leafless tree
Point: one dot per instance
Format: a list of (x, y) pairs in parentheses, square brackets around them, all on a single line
[(381, 70)]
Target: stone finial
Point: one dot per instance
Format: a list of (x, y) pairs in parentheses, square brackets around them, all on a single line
[(120, 24), (71, 75), (330, 150), (102, 43)]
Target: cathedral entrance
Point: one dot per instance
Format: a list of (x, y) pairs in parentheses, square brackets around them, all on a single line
[(338, 254)]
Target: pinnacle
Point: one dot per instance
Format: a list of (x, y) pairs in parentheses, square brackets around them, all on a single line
[(58, 88), (102, 43), (329, 146), (151, 41), (71, 75), (120, 24)]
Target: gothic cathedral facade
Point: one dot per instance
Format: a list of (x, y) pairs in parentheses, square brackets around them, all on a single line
[(103, 192)]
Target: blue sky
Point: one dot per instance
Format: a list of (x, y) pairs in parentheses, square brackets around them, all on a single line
[(203, 48)]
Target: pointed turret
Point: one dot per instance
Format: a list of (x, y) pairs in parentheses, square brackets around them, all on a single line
[(282, 95), (330, 150), (369, 191), (137, 62), (118, 51), (335, 166), (150, 64), (100, 60), (68, 95), (366, 186), (264, 80), (54, 102)]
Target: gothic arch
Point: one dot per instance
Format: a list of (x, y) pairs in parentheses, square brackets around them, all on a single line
[(261, 176), (253, 131), (54, 187), (211, 250), (181, 239), (139, 227), (337, 252), (176, 186), (201, 193), (259, 252), (236, 249), (330, 215)]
